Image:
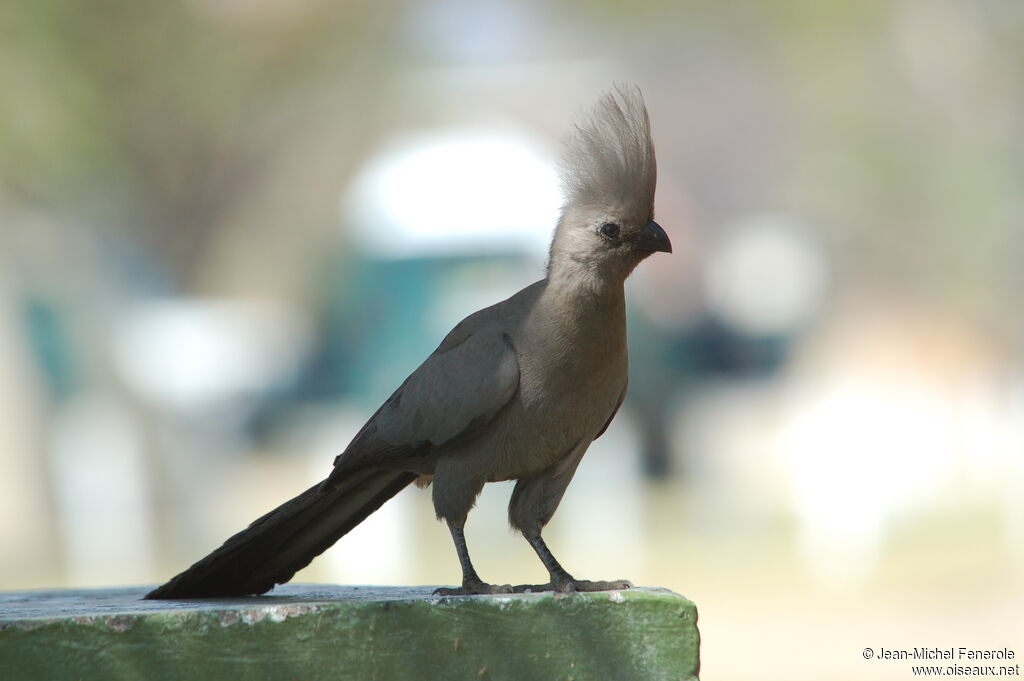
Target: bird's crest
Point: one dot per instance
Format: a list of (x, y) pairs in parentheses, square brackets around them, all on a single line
[(609, 158)]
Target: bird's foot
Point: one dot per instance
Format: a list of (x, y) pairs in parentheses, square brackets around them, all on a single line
[(570, 585), (474, 588)]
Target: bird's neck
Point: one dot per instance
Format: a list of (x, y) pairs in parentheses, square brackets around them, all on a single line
[(580, 284), (582, 316)]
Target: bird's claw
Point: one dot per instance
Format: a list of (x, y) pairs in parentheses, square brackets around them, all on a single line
[(574, 585), (474, 588)]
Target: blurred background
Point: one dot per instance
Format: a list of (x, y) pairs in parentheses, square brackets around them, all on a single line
[(230, 228)]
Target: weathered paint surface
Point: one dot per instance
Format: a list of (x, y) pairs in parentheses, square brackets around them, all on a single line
[(329, 632)]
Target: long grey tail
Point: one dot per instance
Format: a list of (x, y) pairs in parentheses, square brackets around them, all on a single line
[(273, 548)]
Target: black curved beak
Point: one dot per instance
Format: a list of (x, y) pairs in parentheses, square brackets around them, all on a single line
[(654, 239)]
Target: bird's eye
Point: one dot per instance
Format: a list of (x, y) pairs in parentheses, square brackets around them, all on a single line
[(610, 230)]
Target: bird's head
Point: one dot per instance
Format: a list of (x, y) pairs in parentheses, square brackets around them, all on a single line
[(608, 174)]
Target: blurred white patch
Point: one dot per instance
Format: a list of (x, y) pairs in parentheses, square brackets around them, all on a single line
[(101, 493), (1014, 469), (192, 352), (896, 421), (860, 454), (454, 192), (766, 277)]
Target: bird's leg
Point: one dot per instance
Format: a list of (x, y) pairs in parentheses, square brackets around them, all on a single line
[(562, 580), (471, 582)]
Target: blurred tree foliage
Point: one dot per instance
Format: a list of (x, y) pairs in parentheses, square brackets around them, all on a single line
[(893, 125), (148, 119)]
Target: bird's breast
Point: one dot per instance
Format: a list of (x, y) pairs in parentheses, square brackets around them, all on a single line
[(573, 365), (566, 396)]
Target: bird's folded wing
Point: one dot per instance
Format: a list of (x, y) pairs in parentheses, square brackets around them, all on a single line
[(459, 389)]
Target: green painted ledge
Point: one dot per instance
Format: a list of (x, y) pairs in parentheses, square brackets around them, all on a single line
[(308, 631)]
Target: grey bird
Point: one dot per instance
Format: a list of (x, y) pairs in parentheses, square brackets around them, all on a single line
[(516, 391)]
